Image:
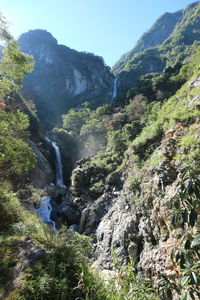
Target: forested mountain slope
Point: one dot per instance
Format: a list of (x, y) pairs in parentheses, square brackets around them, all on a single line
[(156, 35), (181, 43)]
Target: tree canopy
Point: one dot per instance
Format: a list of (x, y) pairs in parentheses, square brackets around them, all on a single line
[(16, 157)]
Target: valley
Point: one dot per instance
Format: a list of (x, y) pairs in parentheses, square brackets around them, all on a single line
[(99, 188)]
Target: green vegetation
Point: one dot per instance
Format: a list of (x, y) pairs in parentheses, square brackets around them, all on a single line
[(16, 157), (131, 134), (185, 256), (14, 63), (190, 147), (148, 68), (56, 275), (162, 106), (74, 120), (125, 284), (62, 270)]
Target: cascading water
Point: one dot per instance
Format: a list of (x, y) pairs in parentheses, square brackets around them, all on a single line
[(115, 88), (59, 168), (44, 211), (45, 208)]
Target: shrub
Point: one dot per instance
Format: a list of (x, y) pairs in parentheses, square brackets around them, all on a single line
[(185, 256), (57, 274), (104, 110), (137, 108), (10, 208), (116, 141), (190, 152), (146, 142), (16, 157)]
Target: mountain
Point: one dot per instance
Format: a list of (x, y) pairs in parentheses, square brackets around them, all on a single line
[(153, 54), (62, 78), (131, 170), (156, 35)]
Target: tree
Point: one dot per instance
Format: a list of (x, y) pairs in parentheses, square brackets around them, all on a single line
[(186, 255), (16, 157), (116, 141), (14, 64), (137, 108), (74, 120)]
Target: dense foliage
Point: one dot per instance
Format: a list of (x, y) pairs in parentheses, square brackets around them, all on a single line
[(185, 256), (16, 156)]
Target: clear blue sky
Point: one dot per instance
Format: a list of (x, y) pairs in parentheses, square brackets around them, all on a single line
[(108, 28)]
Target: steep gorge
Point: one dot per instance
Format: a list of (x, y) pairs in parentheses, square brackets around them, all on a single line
[(121, 163)]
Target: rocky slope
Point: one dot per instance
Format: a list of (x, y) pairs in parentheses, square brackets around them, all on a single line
[(62, 77), (131, 215)]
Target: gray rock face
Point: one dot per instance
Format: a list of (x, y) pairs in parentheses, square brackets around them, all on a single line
[(63, 78), (117, 230), (141, 231), (195, 82), (92, 213), (65, 211), (135, 221), (42, 174)]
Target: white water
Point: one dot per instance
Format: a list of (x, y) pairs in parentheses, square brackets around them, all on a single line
[(115, 88), (44, 211), (45, 208), (59, 168), (47, 139)]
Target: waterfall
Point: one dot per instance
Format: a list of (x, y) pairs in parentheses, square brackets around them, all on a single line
[(44, 211), (59, 171), (59, 167), (115, 88)]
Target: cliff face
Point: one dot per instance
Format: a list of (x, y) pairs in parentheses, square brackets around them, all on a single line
[(63, 78)]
